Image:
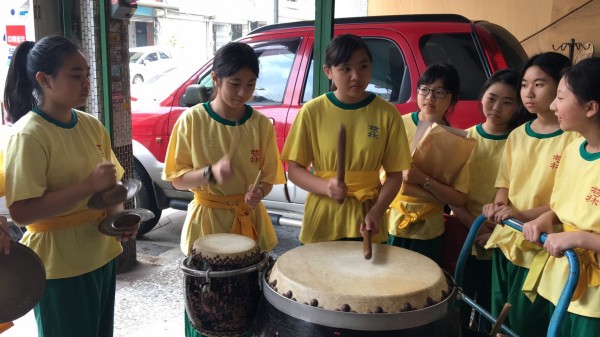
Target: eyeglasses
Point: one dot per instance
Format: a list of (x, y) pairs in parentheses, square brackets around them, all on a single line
[(437, 93)]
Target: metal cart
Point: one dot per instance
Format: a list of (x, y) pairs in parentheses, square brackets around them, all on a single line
[(565, 297)]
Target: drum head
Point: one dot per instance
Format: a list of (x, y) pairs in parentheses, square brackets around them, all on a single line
[(124, 221), (22, 280), (225, 248), (335, 276)]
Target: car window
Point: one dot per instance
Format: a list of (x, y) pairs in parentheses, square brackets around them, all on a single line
[(163, 55), (275, 64), (134, 56), (458, 50), (390, 77), (151, 57)]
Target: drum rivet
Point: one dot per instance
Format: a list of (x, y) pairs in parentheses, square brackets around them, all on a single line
[(288, 294), (305, 303), (294, 299), (345, 308), (406, 307), (314, 302), (378, 310), (430, 301)]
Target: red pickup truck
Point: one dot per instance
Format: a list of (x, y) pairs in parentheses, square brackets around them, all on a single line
[(402, 47)]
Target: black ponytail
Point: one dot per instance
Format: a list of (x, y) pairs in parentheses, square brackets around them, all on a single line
[(18, 91), (22, 91)]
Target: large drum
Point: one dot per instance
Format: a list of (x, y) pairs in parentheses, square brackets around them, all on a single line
[(222, 284), (329, 289)]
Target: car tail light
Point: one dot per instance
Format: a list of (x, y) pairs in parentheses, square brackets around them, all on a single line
[(491, 49)]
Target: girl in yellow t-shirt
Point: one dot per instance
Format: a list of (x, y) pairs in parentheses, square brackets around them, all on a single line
[(375, 139), (502, 111), (524, 184), (56, 158), (415, 224), (217, 149), (575, 202)]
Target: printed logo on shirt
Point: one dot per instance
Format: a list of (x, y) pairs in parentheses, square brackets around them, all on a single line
[(555, 162), (255, 156), (373, 132), (101, 151), (594, 196)]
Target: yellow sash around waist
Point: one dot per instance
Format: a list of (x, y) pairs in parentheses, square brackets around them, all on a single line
[(412, 217), (66, 221), (589, 270), (242, 222), (362, 185)]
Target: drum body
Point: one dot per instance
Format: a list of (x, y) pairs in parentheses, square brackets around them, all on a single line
[(222, 284), (344, 302)]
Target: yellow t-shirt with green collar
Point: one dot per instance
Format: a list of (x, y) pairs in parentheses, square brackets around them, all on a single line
[(576, 202), (527, 170), (44, 155), (375, 138), (201, 137), (484, 166), (431, 225)]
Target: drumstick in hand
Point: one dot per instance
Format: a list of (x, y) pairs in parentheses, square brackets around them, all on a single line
[(341, 169), (367, 250), (257, 181)]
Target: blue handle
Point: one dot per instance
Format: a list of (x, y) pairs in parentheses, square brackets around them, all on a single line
[(565, 296), (568, 290)]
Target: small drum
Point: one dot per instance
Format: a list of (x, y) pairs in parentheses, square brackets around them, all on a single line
[(223, 284), (330, 289)]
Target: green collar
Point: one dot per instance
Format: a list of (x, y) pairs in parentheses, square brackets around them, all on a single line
[(354, 106), (60, 124), (484, 134), (534, 134), (224, 121), (415, 117), (586, 155)]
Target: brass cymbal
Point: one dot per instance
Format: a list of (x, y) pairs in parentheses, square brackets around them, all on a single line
[(115, 195), (22, 280), (124, 221)]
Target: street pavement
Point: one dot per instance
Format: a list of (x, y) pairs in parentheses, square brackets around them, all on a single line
[(149, 299)]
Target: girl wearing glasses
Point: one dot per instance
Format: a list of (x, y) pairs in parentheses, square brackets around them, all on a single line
[(375, 139), (575, 207), (413, 223), (523, 189)]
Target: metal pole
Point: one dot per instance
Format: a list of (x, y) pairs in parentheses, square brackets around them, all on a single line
[(324, 16)]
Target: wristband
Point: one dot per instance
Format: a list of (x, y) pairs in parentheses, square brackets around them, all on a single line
[(209, 176), (427, 184)]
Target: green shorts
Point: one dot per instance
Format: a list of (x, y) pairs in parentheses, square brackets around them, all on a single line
[(525, 318), (574, 325), (79, 306)]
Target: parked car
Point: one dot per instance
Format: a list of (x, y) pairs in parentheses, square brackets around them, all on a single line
[(145, 62), (402, 48)]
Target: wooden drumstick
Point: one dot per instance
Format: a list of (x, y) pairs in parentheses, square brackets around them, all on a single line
[(341, 169), (235, 138), (367, 250), (256, 182), (500, 320)]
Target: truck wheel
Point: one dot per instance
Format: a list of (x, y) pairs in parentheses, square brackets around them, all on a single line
[(145, 199)]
